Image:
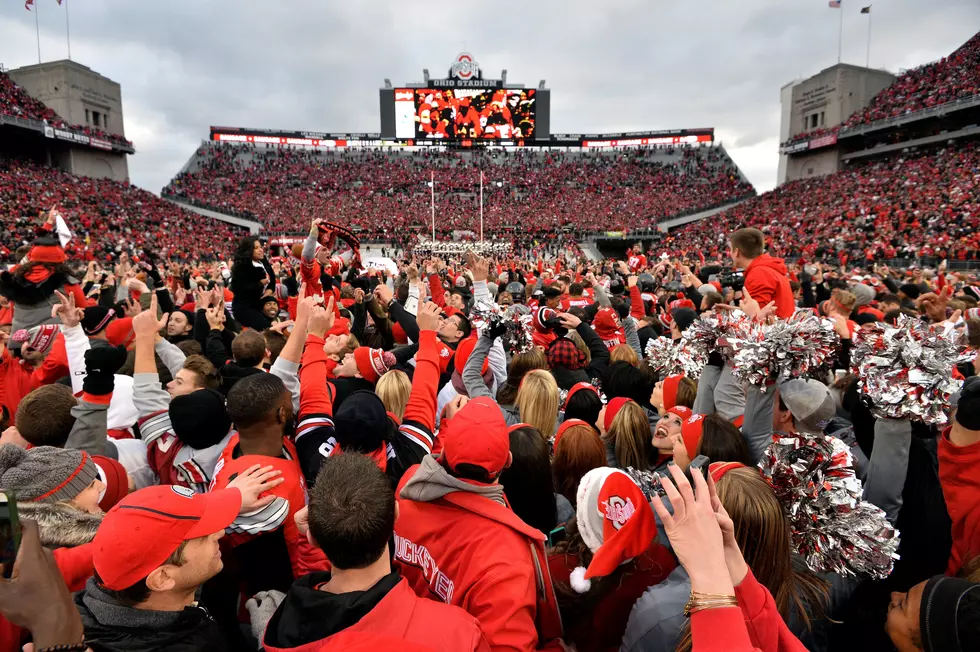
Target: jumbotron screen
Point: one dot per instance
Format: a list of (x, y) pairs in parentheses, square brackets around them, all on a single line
[(465, 113)]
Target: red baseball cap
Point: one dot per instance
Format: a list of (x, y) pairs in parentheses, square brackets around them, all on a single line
[(477, 435), (147, 526)]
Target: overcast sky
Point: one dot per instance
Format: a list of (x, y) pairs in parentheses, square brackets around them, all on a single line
[(613, 65)]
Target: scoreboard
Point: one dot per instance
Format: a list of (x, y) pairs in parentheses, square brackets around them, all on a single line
[(465, 107)]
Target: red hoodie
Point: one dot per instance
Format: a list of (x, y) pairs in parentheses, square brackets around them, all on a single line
[(489, 571), (403, 615), (605, 325), (959, 475), (766, 280)]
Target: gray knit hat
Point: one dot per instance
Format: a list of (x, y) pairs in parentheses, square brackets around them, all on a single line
[(863, 293), (45, 473)]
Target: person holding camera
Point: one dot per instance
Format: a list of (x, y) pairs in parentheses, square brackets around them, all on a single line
[(766, 277)]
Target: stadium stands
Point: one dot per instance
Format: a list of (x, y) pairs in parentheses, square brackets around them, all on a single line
[(14, 101), (951, 78), (924, 205), (387, 192), (107, 217)]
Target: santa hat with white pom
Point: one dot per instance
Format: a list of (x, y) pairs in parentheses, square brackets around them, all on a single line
[(616, 523)]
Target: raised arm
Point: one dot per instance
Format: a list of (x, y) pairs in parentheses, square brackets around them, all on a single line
[(757, 427), (472, 373), (419, 421), (286, 366), (315, 430)]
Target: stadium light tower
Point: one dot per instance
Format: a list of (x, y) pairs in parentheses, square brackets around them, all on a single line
[(541, 85), (503, 77), (387, 83), (425, 75)]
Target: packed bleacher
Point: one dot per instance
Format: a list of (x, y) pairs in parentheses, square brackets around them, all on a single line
[(384, 192), (16, 102), (919, 205), (108, 217), (951, 78)]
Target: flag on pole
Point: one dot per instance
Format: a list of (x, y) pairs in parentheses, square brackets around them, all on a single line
[(834, 4), (27, 4), (59, 3), (866, 10)]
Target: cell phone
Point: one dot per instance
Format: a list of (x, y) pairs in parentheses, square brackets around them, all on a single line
[(700, 465), (10, 532)]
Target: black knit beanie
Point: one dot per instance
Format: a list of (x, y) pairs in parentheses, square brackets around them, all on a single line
[(361, 423), (968, 405), (949, 615), (199, 419)]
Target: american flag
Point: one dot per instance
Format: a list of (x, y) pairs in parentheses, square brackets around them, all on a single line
[(834, 4)]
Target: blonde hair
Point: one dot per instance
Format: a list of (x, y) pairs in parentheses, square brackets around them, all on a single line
[(624, 353), (519, 366), (845, 299), (580, 345), (537, 401), (631, 437), (394, 388)]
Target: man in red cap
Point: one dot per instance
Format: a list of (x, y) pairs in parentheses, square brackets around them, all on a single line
[(498, 572), (152, 552)]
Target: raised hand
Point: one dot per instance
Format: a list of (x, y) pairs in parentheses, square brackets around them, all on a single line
[(146, 324), (429, 317), (216, 318), (70, 314), (133, 307)]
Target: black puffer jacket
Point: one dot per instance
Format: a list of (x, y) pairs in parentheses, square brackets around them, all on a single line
[(112, 627)]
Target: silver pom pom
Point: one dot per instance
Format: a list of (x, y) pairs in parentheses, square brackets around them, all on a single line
[(787, 348), (518, 337), (668, 358), (907, 370), (834, 529)]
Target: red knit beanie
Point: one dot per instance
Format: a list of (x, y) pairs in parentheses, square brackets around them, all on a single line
[(113, 476), (372, 363), (671, 384)]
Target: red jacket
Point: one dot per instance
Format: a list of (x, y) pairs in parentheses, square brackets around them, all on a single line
[(605, 628), (404, 616), (754, 626), (303, 556), (959, 474), (766, 280), (472, 552), (18, 378)]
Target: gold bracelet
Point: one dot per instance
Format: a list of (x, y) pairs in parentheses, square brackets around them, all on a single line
[(701, 601)]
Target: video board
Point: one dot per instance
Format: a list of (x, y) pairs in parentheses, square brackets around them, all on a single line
[(465, 113)]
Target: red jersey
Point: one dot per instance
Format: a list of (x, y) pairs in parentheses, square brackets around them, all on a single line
[(277, 515), (637, 262)]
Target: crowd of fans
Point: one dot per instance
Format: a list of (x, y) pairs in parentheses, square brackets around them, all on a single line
[(107, 217), (924, 204), (385, 193), (951, 78), (16, 102), (304, 454)]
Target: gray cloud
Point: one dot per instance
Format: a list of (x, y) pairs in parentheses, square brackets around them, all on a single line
[(616, 65)]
